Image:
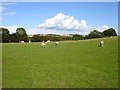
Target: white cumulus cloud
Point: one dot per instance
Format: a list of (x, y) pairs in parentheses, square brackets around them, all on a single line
[(11, 28), (102, 28), (63, 22), (105, 27)]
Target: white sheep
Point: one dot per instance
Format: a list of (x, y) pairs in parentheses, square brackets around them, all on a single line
[(44, 44), (56, 43), (101, 44), (29, 41), (48, 41), (21, 41)]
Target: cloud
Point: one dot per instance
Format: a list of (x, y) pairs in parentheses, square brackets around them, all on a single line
[(60, 24), (63, 22), (11, 28), (105, 27), (102, 28), (33, 31)]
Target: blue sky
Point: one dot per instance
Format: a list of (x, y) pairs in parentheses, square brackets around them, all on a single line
[(90, 15)]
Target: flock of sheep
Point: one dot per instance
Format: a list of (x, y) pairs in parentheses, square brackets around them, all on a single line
[(44, 44), (101, 44)]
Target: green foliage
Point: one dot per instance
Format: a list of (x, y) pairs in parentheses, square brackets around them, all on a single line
[(4, 33), (77, 37), (95, 34), (13, 37), (21, 34), (45, 38), (66, 38), (35, 38), (20, 31), (38, 38), (110, 32)]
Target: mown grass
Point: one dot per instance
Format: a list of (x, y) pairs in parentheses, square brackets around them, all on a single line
[(73, 64)]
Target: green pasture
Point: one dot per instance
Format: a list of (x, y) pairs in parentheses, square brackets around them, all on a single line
[(72, 64)]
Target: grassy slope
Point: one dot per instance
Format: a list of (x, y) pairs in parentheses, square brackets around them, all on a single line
[(72, 64)]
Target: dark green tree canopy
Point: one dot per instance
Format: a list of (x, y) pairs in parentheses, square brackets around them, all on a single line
[(5, 34), (35, 38), (21, 31), (95, 34), (77, 37), (21, 35), (110, 32), (4, 31)]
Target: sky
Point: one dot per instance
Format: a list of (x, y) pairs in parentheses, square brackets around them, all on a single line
[(59, 17)]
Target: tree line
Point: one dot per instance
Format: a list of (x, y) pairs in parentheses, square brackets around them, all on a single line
[(20, 35)]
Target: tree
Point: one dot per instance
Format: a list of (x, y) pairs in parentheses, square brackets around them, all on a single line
[(35, 38), (5, 34), (95, 34), (21, 31), (21, 34), (77, 37), (66, 38), (45, 38), (110, 32), (13, 37)]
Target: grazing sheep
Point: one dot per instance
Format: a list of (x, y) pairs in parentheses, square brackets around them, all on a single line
[(48, 41), (101, 44), (56, 43), (21, 42), (29, 41), (43, 44)]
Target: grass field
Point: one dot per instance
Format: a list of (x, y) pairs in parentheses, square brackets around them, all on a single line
[(73, 64)]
